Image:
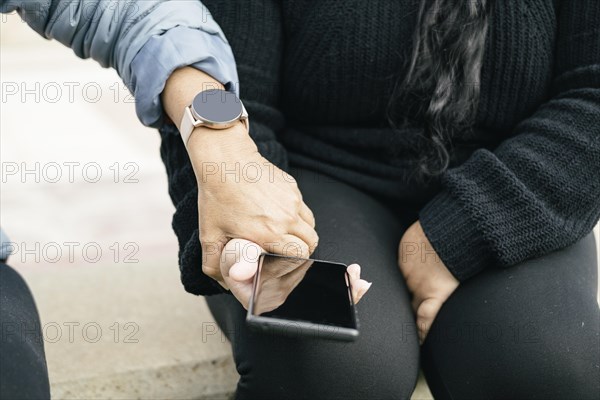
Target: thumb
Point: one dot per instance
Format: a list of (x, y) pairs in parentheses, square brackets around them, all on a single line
[(242, 270), (239, 260), (426, 313)]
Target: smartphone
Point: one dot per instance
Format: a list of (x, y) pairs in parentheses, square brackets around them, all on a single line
[(302, 297)]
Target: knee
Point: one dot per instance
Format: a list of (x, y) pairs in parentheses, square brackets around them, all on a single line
[(531, 364), (388, 384), (328, 370)]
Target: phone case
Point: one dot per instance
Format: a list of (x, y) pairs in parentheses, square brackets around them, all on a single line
[(300, 328)]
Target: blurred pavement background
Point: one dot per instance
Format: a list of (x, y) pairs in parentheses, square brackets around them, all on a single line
[(84, 197)]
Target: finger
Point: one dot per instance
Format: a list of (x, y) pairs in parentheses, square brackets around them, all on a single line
[(243, 270), (307, 215), (362, 287), (242, 291), (426, 314), (354, 271), (306, 233), (247, 261), (239, 259), (211, 254), (222, 283), (359, 286), (289, 246), (238, 264)]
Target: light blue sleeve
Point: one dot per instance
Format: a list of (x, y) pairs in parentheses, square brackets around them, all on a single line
[(176, 48), (144, 40)]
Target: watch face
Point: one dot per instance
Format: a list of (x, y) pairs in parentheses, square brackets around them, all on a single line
[(217, 106)]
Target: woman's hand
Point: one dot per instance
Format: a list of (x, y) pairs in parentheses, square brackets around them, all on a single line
[(240, 193), (427, 278), (243, 196), (239, 263)]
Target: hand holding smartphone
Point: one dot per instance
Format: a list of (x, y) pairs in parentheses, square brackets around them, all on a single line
[(306, 297), (303, 297)]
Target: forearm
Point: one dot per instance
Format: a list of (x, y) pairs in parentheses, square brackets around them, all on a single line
[(181, 88)]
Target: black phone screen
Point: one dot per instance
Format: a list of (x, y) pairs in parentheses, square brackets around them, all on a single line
[(303, 290)]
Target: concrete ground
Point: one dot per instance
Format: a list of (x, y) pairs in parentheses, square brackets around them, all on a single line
[(84, 196)]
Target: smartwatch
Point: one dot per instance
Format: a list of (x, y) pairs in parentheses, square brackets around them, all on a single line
[(215, 109)]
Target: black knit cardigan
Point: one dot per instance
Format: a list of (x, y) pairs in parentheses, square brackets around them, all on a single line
[(316, 77)]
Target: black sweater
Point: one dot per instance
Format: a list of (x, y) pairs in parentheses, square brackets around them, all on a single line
[(316, 77)]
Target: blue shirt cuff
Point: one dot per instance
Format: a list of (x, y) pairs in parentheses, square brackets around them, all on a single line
[(176, 48)]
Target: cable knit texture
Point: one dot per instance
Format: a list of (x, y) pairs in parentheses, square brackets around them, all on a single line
[(316, 78)]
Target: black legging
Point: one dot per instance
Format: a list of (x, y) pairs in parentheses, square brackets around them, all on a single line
[(23, 372), (530, 331)]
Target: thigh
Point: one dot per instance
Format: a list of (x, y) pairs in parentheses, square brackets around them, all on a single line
[(23, 373), (530, 331), (383, 362)]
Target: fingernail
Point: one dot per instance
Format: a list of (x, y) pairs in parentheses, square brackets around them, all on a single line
[(238, 270), (354, 270), (235, 269)]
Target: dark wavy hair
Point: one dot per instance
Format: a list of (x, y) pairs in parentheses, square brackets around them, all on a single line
[(441, 86)]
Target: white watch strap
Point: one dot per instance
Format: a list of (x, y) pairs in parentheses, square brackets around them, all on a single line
[(187, 126)]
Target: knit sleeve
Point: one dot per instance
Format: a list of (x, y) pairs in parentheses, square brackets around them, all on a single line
[(539, 191), (254, 32)]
